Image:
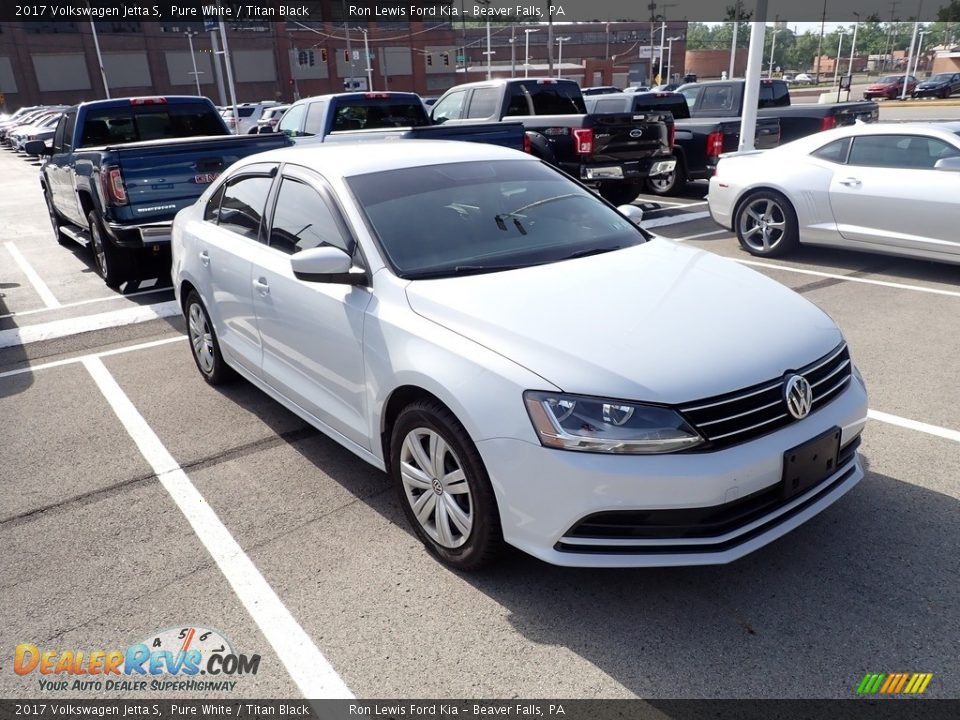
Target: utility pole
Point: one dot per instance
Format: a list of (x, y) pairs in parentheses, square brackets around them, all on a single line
[(550, 37), (103, 73), (218, 70), (513, 50), (823, 23), (193, 59), (233, 88), (366, 50), (293, 70)]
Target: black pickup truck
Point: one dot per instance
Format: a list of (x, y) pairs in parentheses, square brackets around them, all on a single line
[(119, 170), (724, 98), (697, 142), (616, 153)]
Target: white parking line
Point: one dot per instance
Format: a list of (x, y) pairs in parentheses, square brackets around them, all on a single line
[(63, 328), (674, 219), (836, 276), (306, 665), (81, 358), (698, 235), (909, 424), (78, 303), (39, 285)]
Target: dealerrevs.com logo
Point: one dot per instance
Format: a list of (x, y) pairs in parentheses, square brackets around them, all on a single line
[(189, 659)]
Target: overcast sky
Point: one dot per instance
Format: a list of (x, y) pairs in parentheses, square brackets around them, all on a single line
[(801, 27)]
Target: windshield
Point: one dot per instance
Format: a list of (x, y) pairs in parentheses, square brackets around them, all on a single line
[(941, 77), (890, 80), (462, 218)]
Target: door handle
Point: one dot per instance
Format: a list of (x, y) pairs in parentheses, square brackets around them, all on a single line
[(262, 286), (205, 258), (850, 182)]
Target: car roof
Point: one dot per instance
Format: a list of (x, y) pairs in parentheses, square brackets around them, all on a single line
[(343, 160)]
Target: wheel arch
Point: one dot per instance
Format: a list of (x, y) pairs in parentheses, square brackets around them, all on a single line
[(746, 193), (400, 397)]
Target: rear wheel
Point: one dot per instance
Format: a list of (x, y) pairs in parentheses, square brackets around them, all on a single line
[(112, 263), (204, 345), (668, 184), (620, 193), (766, 224), (443, 486)]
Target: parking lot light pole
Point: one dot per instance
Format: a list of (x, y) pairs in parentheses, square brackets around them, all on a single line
[(853, 47), (526, 52), (366, 50), (103, 73), (836, 65), (560, 54), (233, 88), (906, 71), (193, 60), (670, 42)]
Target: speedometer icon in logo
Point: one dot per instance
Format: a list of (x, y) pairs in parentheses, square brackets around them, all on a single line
[(185, 639)]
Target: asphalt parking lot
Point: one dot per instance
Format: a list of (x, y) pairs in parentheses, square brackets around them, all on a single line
[(137, 499)]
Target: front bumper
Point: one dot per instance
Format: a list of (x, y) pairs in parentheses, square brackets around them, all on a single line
[(928, 92), (545, 494)]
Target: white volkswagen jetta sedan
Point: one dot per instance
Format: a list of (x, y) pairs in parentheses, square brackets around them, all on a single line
[(527, 365)]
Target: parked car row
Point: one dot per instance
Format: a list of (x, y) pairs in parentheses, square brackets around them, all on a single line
[(29, 124)]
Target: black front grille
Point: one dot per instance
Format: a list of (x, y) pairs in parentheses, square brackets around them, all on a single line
[(695, 523), (749, 413)]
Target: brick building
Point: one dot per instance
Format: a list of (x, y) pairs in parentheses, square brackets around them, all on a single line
[(56, 62)]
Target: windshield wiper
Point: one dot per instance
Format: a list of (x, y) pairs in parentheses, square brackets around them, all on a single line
[(590, 251), (544, 202), (460, 270), (503, 226)]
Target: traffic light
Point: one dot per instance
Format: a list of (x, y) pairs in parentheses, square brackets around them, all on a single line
[(302, 58), (429, 59), (446, 58), (346, 56), (312, 58), (323, 54)]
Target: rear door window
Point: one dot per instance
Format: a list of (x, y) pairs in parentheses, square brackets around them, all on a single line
[(483, 104), (241, 209)]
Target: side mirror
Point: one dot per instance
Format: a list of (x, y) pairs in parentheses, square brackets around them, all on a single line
[(950, 164), (325, 264), (37, 147), (632, 213)]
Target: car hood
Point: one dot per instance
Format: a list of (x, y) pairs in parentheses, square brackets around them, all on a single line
[(881, 86), (932, 84), (659, 322)]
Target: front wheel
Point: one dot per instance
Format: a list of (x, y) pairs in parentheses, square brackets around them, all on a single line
[(444, 487), (619, 193), (766, 224)]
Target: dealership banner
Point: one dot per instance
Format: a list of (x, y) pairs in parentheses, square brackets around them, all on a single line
[(461, 11)]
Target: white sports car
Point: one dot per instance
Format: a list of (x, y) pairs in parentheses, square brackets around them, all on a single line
[(888, 188), (527, 364)]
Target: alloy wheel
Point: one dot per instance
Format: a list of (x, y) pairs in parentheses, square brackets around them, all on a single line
[(201, 338), (762, 224), (436, 487)]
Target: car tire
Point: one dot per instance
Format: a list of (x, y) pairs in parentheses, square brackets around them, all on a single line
[(112, 263), (766, 224), (443, 487), (204, 345), (55, 221), (620, 193), (669, 184)]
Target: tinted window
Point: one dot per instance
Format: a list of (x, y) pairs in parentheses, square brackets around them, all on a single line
[(68, 129), (378, 113), (58, 135), (507, 213), (555, 98), (662, 102), (149, 122), (290, 122), (483, 104), (212, 211), (314, 123), (899, 151), (835, 151), (612, 105), (773, 94), (450, 107), (303, 220), (690, 95), (242, 207), (519, 103), (717, 98)]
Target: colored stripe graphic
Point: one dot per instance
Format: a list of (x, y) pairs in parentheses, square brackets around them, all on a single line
[(894, 683)]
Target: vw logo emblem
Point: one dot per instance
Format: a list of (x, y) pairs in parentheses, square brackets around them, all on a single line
[(798, 395), (635, 133)]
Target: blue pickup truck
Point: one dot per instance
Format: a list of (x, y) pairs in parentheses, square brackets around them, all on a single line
[(357, 116), (119, 170)]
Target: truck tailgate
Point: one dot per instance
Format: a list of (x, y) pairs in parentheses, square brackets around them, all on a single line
[(849, 113), (628, 136), (163, 176)]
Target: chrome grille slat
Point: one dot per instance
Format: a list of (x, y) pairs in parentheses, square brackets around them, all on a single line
[(737, 417)]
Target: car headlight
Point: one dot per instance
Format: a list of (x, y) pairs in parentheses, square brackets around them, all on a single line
[(590, 424)]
